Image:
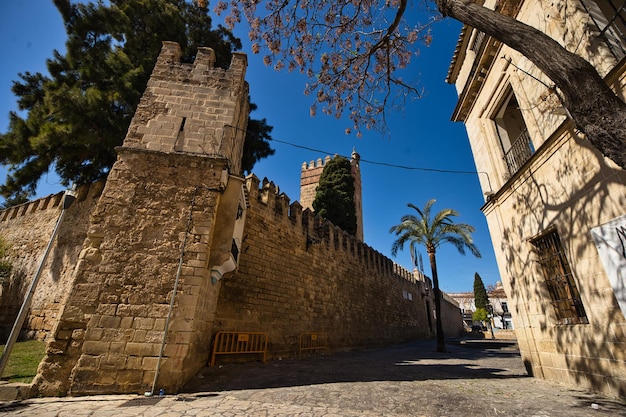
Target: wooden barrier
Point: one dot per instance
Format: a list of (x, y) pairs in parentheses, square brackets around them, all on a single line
[(313, 342), (232, 343)]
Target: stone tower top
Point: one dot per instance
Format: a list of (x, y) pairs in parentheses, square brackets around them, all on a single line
[(310, 177), (193, 108)]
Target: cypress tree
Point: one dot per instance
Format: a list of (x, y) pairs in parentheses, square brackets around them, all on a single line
[(334, 197), (481, 299)]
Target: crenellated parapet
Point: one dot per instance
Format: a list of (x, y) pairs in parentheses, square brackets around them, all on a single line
[(51, 202), (193, 108), (316, 231), (309, 179)]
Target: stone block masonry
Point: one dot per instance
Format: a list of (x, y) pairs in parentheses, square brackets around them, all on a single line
[(27, 228), (151, 236), (300, 275), (193, 108)]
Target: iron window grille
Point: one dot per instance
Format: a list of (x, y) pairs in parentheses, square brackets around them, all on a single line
[(609, 18), (564, 294)]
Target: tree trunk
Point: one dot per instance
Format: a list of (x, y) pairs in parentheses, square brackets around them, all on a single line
[(593, 106), (441, 345)]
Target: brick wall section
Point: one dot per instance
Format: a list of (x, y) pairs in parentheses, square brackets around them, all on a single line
[(28, 228), (334, 283)]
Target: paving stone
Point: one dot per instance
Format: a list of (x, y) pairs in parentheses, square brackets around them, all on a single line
[(474, 378)]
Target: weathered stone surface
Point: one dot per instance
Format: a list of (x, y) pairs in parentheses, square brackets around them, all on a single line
[(165, 219), (28, 228)]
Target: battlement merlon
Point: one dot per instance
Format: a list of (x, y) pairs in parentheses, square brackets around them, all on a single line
[(193, 108), (170, 58)]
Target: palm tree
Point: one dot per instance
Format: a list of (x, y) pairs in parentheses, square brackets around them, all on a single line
[(421, 229)]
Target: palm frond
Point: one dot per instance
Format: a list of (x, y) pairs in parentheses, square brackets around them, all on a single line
[(432, 232)]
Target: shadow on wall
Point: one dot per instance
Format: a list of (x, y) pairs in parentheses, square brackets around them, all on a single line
[(12, 293), (29, 227), (589, 349)]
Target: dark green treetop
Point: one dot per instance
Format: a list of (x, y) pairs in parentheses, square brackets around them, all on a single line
[(334, 197), (77, 115), (481, 299)]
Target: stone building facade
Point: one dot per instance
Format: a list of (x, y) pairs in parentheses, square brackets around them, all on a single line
[(555, 207), (175, 246)]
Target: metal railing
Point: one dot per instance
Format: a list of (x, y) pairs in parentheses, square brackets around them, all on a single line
[(313, 342), (520, 151), (230, 343)]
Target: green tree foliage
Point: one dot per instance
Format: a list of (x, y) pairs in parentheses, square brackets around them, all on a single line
[(432, 232), (481, 314), (358, 54), (334, 198), (78, 114), (481, 299)]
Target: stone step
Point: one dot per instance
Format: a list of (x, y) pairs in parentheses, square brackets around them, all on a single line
[(10, 391)]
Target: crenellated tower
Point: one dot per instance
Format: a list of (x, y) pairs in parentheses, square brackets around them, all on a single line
[(166, 228), (194, 108), (309, 179)]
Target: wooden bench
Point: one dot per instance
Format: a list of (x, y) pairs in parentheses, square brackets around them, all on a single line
[(313, 342), (232, 343)]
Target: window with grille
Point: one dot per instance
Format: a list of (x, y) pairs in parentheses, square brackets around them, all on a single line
[(609, 17), (559, 279), (513, 134)]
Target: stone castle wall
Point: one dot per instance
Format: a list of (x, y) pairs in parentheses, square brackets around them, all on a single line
[(299, 275), (139, 264), (28, 228)]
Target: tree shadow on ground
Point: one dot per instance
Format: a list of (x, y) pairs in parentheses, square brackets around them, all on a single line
[(415, 361)]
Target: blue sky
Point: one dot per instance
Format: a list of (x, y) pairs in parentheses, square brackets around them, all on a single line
[(421, 136)]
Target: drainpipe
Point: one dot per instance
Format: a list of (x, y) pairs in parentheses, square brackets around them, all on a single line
[(68, 199)]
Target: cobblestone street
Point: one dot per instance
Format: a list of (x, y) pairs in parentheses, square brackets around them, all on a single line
[(474, 378)]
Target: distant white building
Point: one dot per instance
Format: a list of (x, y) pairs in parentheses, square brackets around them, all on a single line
[(497, 299)]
